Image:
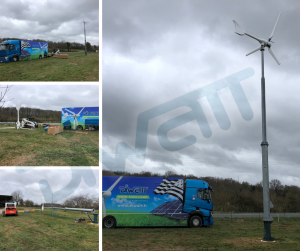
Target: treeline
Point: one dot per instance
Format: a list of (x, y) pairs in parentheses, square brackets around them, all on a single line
[(9, 114), (77, 201), (232, 196), (62, 45)]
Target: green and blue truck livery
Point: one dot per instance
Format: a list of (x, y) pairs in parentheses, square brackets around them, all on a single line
[(19, 50), (155, 201), (80, 118)]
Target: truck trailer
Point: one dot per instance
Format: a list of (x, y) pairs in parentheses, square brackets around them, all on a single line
[(19, 50), (80, 118), (156, 201)]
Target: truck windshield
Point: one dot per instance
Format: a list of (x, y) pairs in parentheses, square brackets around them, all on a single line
[(4, 47), (10, 205)]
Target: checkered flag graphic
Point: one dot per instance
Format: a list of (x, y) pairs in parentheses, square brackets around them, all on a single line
[(172, 187), (25, 44)]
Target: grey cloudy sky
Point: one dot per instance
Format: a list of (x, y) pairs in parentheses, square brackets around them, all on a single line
[(52, 20), (156, 51), (53, 97), (28, 183)]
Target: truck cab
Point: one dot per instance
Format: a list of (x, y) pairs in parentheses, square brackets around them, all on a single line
[(198, 203), (9, 51)]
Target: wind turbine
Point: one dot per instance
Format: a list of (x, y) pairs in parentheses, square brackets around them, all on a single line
[(264, 144), (107, 194), (75, 116)]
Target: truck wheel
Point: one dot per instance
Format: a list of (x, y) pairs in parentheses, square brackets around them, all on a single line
[(40, 57), (109, 222), (195, 221), (79, 128), (14, 59)]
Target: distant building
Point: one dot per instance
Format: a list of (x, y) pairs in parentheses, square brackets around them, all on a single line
[(4, 199)]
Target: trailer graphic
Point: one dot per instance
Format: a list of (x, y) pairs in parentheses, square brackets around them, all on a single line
[(156, 201), (80, 118), (19, 50)]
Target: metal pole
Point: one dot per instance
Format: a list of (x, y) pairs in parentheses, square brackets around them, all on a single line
[(265, 165), (85, 39)]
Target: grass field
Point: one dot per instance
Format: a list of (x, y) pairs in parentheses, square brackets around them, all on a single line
[(77, 67), (37, 148), (240, 234), (41, 231)]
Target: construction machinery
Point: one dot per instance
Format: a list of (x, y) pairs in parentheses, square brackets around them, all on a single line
[(29, 123), (55, 52), (10, 209)]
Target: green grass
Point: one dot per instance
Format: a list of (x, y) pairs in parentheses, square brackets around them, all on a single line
[(77, 67), (240, 234), (37, 148), (41, 231)]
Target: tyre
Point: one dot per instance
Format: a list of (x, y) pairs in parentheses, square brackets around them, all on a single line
[(195, 221), (79, 127), (109, 222), (17, 213), (40, 57), (14, 59)]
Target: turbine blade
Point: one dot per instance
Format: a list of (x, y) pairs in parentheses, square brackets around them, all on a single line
[(70, 111), (273, 55), (238, 29), (259, 40), (113, 185), (274, 27), (80, 111), (258, 48)]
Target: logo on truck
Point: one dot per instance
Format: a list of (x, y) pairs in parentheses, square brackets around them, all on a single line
[(126, 189)]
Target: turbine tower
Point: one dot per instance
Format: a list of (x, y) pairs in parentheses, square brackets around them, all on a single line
[(264, 144), (85, 37)]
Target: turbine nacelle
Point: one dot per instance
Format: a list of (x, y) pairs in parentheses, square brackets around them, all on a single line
[(106, 194)]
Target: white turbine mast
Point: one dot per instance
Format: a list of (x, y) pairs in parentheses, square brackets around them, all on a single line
[(265, 43), (107, 194)]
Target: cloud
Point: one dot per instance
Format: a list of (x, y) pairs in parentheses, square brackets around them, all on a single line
[(153, 55)]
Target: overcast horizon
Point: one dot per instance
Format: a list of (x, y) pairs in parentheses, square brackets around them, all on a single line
[(61, 182), (52, 20), (52, 97), (154, 52)]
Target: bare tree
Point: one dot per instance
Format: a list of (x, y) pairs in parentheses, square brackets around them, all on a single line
[(17, 196), (79, 201), (3, 93)]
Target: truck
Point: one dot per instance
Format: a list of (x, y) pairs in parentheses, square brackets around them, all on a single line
[(156, 201), (20, 50), (80, 118), (10, 209)]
